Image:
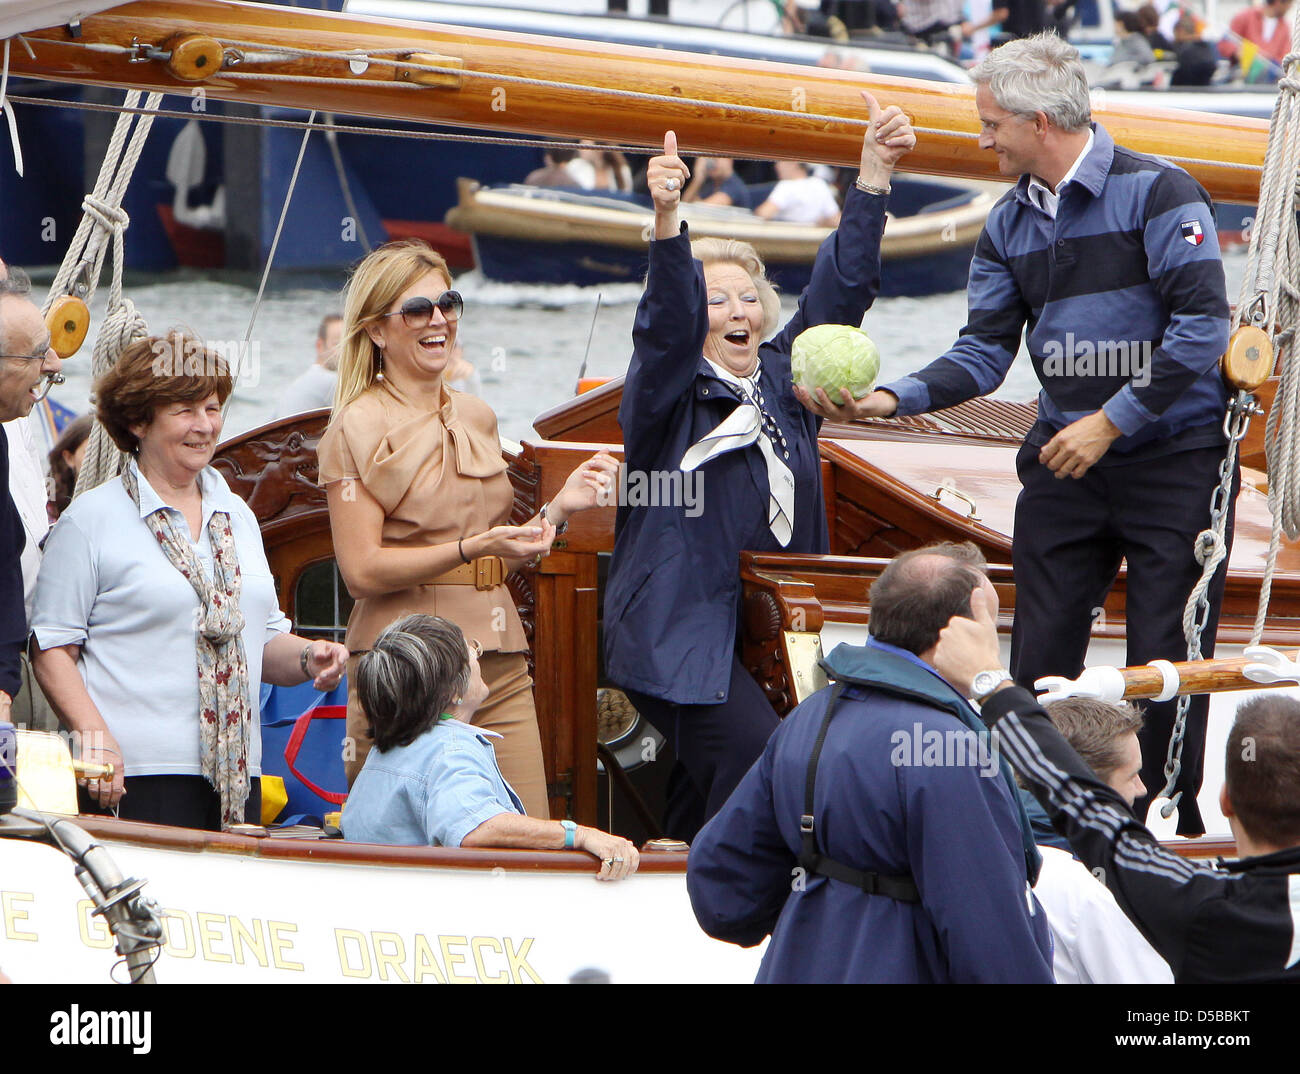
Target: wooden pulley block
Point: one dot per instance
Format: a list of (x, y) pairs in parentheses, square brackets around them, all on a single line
[(1248, 361), (68, 322), (194, 57)]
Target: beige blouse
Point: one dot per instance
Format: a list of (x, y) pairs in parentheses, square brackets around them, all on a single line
[(439, 475)]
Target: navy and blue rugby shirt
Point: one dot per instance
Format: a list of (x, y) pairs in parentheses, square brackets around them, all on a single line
[(1122, 300)]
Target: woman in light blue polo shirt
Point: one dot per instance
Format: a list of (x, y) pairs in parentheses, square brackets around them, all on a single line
[(432, 778), (155, 612)]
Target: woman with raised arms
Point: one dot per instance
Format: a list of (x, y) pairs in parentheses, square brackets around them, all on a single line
[(705, 395)]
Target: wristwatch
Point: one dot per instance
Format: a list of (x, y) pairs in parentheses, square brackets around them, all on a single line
[(570, 831), (561, 528), (985, 682)]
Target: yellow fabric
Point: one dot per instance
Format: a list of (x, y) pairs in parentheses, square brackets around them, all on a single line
[(274, 798)]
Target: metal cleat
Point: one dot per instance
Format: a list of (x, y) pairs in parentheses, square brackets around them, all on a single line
[(1104, 683), (1272, 667)]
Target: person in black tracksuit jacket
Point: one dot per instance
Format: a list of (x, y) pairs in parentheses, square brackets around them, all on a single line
[(1235, 921)]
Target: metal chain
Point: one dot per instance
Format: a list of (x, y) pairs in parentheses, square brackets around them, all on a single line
[(1210, 550)]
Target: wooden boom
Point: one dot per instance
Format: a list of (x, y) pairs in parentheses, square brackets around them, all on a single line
[(574, 88), (1194, 677)]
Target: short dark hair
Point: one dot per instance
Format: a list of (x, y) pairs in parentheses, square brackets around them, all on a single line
[(1262, 768), (153, 372), (1130, 21), (324, 329), (918, 593), (416, 670), (1094, 728)]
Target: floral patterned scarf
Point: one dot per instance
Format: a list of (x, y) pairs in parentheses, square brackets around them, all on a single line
[(225, 719)]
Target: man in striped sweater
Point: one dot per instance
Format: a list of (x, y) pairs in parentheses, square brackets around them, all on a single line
[(1108, 261)]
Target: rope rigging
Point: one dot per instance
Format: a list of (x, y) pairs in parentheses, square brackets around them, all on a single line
[(104, 222), (1268, 306), (1270, 302)]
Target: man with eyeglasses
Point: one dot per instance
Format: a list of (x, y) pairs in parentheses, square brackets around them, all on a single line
[(27, 367), (1107, 263)]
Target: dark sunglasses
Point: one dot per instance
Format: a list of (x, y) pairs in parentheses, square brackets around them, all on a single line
[(418, 312)]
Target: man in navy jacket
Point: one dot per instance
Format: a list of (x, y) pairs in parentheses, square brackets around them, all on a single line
[(921, 858), (1107, 262)]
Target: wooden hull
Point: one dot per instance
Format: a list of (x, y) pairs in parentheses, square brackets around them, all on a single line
[(526, 235), (245, 910), (703, 98)]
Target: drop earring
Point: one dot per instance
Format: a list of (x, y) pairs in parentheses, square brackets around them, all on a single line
[(379, 376)]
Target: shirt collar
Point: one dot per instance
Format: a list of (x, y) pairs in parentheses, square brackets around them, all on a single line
[(1090, 171), (884, 646), (462, 727), (215, 493), (1039, 191)]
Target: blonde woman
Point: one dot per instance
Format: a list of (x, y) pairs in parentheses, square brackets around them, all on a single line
[(419, 497)]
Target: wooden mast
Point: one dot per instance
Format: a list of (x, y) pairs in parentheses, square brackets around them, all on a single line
[(177, 51)]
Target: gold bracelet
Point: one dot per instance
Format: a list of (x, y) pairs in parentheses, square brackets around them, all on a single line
[(867, 188)]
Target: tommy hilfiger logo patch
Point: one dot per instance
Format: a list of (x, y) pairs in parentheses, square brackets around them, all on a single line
[(1192, 232)]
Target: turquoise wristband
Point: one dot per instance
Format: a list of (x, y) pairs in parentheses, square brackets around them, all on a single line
[(570, 831)]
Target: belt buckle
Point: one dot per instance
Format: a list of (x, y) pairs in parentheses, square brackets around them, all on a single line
[(488, 572)]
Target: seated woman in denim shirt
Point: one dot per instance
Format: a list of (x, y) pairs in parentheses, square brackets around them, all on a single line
[(432, 779)]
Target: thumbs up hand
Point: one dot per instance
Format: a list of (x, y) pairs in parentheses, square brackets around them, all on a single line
[(666, 176), (888, 137)]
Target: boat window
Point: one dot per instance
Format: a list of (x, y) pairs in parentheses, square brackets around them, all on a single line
[(322, 602)]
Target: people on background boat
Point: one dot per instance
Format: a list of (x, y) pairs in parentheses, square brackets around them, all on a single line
[(913, 862), (1149, 25), (1110, 258), (1197, 61), (714, 181), (599, 169), (1258, 38), (1131, 45), (419, 498), (799, 197), (934, 22), (27, 363), (708, 408), (1235, 921), (1025, 18), (432, 778), (65, 463), (1092, 941), (156, 614), (314, 387), (556, 170)]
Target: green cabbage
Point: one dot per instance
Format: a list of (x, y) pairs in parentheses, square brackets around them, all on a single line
[(835, 356)]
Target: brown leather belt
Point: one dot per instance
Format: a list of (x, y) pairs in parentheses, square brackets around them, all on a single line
[(485, 572)]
